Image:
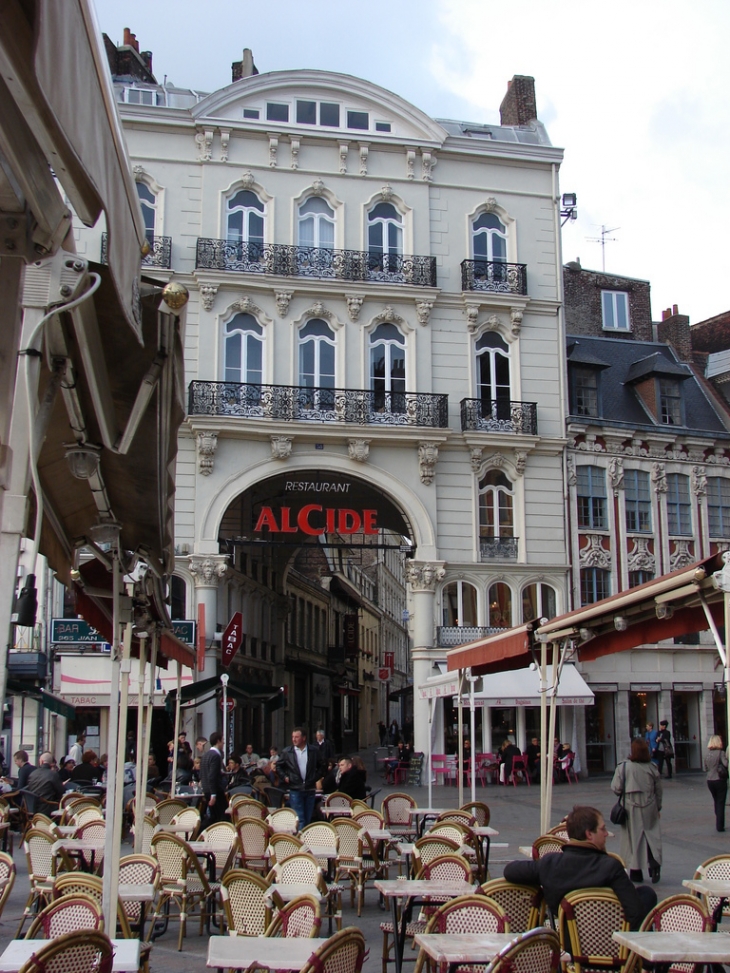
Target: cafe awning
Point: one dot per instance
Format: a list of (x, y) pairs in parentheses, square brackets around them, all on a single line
[(521, 687), (510, 649), (205, 689), (49, 701)]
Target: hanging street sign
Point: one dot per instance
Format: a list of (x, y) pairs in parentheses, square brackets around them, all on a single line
[(232, 638), (230, 704)]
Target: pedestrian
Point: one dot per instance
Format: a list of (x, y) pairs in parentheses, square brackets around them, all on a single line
[(641, 837), (507, 752), (326, 747), (716, 765), (213, 779), (665, 750), (394, 732), (382, 732), (76, 753), (532, 752), (300, 768), (651, 737)]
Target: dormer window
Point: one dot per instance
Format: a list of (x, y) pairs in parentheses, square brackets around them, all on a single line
[(615, 310), (670, 402), (584, 386)]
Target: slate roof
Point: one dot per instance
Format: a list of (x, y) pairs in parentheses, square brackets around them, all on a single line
[(620, 363)]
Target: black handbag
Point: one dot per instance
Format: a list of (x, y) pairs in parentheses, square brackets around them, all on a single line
[(619, 814)]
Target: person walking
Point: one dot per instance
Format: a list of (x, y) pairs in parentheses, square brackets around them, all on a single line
[(300, 768), (641, 838), (716, 765), (326, 747), (213, 779), (651, 737), (665, 750)]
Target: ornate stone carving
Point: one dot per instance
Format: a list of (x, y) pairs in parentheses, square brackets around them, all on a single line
[(208, 571), (423, 311), (640, 557), (516, 318), (358, 449), (428, 162), (318, 310), (138, 170), (246, 305), (410, 164), (247, 180), (659, 478), (490, 204), (387, 194), (295, 153), (520, 462), (317, 188), (281, 447), (424, 575), (590, 444), (390, 315), (207, 443), (595, 555), (204, 141), (428, 454), (364, 151), (699, 481), (207, 295), (570, 465), (681, 557), (354, 304), (616, 473), (282, 302), (493, 323), (718, 456), (495, 461), (475, 454), (273, 146), (225, 139), (344, 149), (472, 313)]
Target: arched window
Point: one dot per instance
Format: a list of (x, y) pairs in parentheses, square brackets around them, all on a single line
[(459, 604), (243, 350), (388, 368), (489, 239), (148, 202), (500, 605), (496, 517), (538, 601), (385, 237), (245, 220), (316, 224), (493, 378), (317, 363)]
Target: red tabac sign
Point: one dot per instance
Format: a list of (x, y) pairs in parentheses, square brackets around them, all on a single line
[(232, 636)]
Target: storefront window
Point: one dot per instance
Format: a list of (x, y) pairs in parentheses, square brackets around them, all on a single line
[(504, 723), (642, 710), (686, 723), (600, 734)]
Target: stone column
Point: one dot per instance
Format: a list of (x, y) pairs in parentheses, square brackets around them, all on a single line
[(622, 729), (208, 571), (422, 577)]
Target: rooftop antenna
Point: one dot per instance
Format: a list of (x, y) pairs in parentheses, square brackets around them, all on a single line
[(603, 240)]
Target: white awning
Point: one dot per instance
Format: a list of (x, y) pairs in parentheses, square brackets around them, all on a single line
[(521, 687), (436, 687)]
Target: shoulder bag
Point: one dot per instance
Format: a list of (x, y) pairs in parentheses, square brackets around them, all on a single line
[(619, 814)]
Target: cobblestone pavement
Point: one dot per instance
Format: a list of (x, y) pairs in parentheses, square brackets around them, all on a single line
[(689, 837)]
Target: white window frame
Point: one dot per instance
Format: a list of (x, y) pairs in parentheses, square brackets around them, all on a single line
[(243, 372), (610, 310)]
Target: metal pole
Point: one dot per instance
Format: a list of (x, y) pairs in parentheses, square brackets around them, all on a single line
[(460, 738), (430, 752), (109, 889), (544, 749), (472, 733), (141, 709), (143, 750), (551, 735), (173, 772), (224, 680), (726, 668)]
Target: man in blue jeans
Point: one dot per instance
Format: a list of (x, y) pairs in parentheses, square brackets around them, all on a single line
[(299, 768)]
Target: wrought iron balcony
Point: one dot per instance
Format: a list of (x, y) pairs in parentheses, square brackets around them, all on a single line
[(160, 254), (447, 636), (494, 276), (291, 402), (498, 548), (319, 262), (499, 415)]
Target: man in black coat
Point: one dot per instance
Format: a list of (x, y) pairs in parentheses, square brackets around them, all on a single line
[(582, 864), (352, 780), (326, 747), (45, 784), (299, 768), (213, 779)]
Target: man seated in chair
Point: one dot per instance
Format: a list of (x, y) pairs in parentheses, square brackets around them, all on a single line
[(583, 863), (45, 784)]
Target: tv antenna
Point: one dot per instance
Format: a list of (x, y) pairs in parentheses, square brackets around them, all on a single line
[(603, 239)]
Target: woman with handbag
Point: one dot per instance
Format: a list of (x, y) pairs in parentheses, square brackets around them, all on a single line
[(639, 782), (716, 766), (664, 748)]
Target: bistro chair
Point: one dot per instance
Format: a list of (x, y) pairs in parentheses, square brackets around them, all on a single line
[(430, 847), (521, 903), (370, 819), (480, 811), (320, 836), (167, 809), (537, 949), (460, 816), (342, 953), (253, 840), (546, 844), (396, 810), (586, 920), (223, 841), (338, 799), (283, 845), (284, 819), (189, 818), (79, 818), (7, 878), (679, 913), (137, 870), (717, 867), (244, 904), (42, 866), (182, 883), (519, 766), (247, 807), (87, 951), (66, 914), (300, 918), (94, 830), (465, 914)]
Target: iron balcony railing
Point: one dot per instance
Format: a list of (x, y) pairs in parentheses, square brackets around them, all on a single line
[(498, 548), (320, 262), (291, 402), (160, 254), (499, 415), (447, 636), (494, 276)]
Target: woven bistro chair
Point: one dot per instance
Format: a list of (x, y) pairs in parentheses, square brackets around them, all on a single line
[(679, 913), (138, 870), (319, 835), (284, 819), (44, 823), (42, 867), (717, 867), (283, 845), (560, 830), (306, 870), (253, 841), (532, 951), (547, 844), (66, 914), (93, 830), (480, 811), (446, 868), (465, 914), (522, 904), (167, 809), (87, 951), (149, 826), (223, 839), (7, 878), (79, 818), (459, 816), (190, 819), (300, 918), (586, 920), (338, 799), (342, 953), (396, 810), (247, 807), (367, 867), (370, 819), (430, 847), (182, 882), (244, 904)]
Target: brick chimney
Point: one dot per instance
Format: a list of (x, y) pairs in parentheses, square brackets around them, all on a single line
[(518, 105), (244, 68), (127, 61), (673, 329), (130, 39)]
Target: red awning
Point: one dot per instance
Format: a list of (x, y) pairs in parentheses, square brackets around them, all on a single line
[(496, 653)]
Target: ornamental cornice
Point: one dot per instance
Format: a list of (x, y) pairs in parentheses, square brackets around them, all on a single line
[(640, 557), (208, 570), (594, 554)]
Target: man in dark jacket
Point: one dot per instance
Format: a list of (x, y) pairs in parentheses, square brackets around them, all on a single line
[(299, 769), (213, 779), (45, 784), (326, 747), (352, 780), (583, 863)]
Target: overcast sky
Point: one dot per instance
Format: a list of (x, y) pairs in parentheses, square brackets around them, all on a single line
[(637, 93)]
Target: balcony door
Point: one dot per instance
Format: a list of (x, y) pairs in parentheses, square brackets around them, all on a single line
[(316, 235), (245, 228), (493, 381), (317, 366), (385, 238), (489, 249), (388, 370)]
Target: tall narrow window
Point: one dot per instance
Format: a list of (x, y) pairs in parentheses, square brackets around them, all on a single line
[(496, 517), (615, 309), (493, 378), (489, 240), (637, 500), (500, 605), (670, 402), (591, 496), (385, 238), (584, 382), (317, 364), (388, 368), (595, 584), (679, 510), (718, 506), (245, 222), (243, 350), (538, 601), (459, 604), (148, 202), (316, 224)]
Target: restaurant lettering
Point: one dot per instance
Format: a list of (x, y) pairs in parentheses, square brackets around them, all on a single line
[(303, 486), (314, 519)]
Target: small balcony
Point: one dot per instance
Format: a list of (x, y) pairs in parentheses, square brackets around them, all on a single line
[(499, 415), (299, 403), (160, 254), (493, 276), (447, 636), (498, 548), (317, 262)]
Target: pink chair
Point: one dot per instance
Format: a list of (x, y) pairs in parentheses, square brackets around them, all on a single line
[(519, 766)]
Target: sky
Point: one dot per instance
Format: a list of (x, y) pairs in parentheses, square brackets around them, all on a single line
[(636, 93)]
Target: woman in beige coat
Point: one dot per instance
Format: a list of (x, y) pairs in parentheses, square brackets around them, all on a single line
[(641, 837)]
